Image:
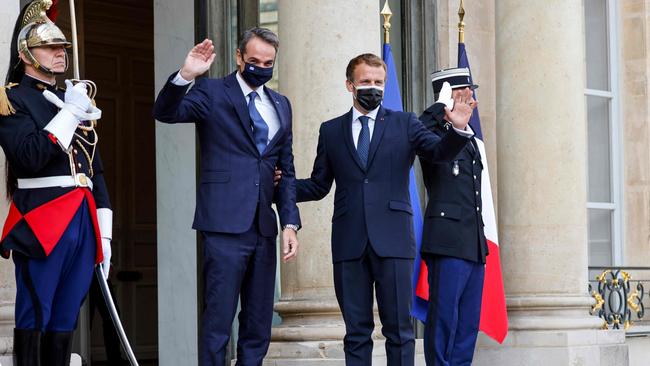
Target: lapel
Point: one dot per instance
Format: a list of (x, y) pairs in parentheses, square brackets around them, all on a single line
[(472, 149), (282, 117), (238, 101), (346, 122), (377, 134)]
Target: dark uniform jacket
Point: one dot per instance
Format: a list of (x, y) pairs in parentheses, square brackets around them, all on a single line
[(32, 152), (372, 204), (453, 223)]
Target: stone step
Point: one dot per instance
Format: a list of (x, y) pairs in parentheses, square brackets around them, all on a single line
[(8, 360)]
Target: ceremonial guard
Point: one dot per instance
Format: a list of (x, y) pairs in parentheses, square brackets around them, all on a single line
[(453, 242), (60, 222)]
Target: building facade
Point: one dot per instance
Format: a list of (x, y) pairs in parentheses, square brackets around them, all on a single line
[(564, 109)]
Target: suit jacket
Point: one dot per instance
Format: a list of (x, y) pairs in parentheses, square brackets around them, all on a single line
[(453, 222), (32, 152), (372, 203), (236, 181)]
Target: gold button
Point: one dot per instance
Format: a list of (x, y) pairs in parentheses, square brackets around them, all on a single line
[(74, 150), (83, 180), (79, 165)]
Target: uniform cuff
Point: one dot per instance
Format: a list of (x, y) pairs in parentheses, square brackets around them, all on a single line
[(105, 221), (63, 126)]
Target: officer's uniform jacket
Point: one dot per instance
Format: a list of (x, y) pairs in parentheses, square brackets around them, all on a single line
[(453, 223), (38, 215)]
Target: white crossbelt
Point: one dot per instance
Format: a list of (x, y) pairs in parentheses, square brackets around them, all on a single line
[(79, 180)]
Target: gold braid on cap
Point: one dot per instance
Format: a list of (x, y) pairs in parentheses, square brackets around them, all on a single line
[(36, 12)]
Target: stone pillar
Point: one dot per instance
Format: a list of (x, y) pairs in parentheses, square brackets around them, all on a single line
[(317, 39), (542, 190), (176, 197), (9, 11)]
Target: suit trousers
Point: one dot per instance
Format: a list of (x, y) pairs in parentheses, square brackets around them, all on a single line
[(354, 283), (455, 294), (237, 266)]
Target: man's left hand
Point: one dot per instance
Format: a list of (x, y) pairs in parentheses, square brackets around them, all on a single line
[(277, 177), (289, 244), (464, 103)]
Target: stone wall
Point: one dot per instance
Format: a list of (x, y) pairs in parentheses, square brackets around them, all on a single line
[(634, 65), (9, 11)]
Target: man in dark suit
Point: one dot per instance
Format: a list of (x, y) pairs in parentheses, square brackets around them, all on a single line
[(453, 242), (244, 132), (369, 151)]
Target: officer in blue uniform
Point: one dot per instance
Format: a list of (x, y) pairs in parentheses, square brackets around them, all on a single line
[(453, 242), (59, 224)]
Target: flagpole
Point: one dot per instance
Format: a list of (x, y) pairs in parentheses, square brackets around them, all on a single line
[(387, 13), (461, 23)]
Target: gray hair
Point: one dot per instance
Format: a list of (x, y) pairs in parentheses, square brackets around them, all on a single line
[(264, 34)]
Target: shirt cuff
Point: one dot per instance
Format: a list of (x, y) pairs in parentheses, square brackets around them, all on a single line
[(178, 80), (465, 133)]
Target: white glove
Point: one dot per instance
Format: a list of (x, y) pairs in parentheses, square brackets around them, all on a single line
[(64, 124), (76, 98), (105, 221), (107, 251), (445, 96)]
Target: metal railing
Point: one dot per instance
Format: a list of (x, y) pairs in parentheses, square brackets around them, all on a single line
[(620, 295)]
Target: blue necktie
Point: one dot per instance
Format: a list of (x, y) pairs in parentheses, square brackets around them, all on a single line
[(260, 128), (363, 144)]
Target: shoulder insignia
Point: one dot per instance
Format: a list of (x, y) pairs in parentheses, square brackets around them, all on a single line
[(6, 108)]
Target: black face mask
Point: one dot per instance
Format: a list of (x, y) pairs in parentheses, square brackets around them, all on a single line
[(256, 76), (369, 97)]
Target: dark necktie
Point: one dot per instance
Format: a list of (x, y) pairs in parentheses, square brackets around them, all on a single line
[(260, 128), (363, 144)]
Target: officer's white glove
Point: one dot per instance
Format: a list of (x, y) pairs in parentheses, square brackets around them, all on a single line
[(105, 221), (77, 107), (444, 96), (76, 98), (107, 251)]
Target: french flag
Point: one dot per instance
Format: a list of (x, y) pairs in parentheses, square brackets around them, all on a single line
[(494, 317)]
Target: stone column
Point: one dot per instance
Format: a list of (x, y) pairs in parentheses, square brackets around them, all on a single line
[(9, 11), (176, 197), (542, 190), (317, 39)]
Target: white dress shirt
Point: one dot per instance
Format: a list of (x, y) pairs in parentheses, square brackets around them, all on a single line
[(263, 103), (356, 123)]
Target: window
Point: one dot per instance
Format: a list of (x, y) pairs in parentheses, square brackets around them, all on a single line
[(603, 147)]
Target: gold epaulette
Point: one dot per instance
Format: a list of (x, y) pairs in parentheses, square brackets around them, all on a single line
[(5, 106)]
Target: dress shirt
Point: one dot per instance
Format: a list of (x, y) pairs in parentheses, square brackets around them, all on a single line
[(263, 103), (356, 123)]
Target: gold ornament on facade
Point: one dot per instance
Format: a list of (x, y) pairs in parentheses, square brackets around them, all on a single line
[(616, 300)]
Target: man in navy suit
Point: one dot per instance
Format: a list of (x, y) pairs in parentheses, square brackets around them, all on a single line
[(369, 151), (453, 242), (244, 132)]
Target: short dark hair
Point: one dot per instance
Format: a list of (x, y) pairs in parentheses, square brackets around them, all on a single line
[(264, 34), (365, 58)]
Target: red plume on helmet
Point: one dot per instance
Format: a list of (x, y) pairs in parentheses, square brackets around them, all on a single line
[(53, 13)]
